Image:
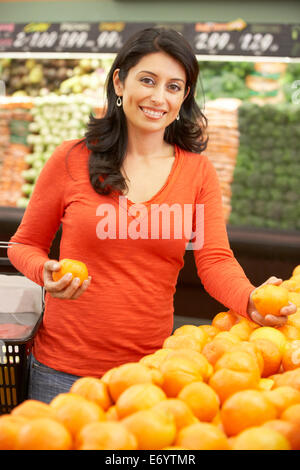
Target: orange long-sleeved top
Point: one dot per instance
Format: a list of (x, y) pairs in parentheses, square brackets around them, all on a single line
[(127, 311)]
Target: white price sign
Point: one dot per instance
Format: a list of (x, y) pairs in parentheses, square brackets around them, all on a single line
[(212, 41)]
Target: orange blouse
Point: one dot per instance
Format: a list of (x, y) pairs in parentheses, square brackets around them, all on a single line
[(133, 252)]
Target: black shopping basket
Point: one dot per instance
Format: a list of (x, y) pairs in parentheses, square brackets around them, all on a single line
[(21, 312)]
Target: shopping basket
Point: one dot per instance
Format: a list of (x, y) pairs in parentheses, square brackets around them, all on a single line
[(21, 312)]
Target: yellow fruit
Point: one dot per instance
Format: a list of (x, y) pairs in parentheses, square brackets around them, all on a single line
[(93, 389), (270, 299), (261, 438), (77, 268), (246, 409), (202, 436), (192, 330), (202, 400), (153, 429), (296, 270), (265, 384), (270, 333), (105, 436), (138, 397)]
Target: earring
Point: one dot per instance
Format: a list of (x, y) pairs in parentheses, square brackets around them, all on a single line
[(119, 101), (178, 117)]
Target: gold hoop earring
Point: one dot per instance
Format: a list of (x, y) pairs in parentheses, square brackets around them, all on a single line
[(119, 101)]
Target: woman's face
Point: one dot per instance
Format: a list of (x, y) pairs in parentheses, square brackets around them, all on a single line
[(152, 92)]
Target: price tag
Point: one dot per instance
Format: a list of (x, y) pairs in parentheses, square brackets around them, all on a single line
[(236, 38)]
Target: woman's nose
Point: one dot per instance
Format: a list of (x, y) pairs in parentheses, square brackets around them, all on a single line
[(157, 95)]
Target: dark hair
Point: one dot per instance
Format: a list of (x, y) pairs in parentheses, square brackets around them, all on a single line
[(106, 137)]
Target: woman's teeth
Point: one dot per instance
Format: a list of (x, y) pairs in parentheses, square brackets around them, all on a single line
[(155, 114)]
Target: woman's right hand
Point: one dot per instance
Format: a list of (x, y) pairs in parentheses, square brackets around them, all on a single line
[(66, 287)]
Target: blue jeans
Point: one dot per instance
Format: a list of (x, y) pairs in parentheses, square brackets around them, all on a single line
[(45, 383)]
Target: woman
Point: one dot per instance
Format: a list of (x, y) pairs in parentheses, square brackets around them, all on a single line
[(120, 195)]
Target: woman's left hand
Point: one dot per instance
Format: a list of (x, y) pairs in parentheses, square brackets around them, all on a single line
[(270, 320)]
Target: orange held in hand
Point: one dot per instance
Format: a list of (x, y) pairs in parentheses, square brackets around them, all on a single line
[(77, 268), (269, 299)]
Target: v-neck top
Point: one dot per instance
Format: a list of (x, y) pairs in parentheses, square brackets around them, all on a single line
[(134, 253), (172, 174)]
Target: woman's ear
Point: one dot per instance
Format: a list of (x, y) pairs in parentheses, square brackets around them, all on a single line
[(118, 85)]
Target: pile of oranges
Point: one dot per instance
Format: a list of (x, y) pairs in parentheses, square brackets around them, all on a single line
[(229, 385)]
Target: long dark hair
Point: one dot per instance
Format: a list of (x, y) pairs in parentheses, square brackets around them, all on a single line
[(106, 137)]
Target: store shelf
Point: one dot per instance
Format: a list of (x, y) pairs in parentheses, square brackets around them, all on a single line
[(265, 241)]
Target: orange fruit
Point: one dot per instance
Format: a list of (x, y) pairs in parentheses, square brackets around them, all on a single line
[(77, 268), (205, 368), (245, 409), (294, 297), (138, 397), (270, 333), (224, 320), (105, 436), (32, 409), (290, 377), (270, 299), (129, 374), (226, 382), (294, 319), (242, 330), (177, 372), (296, 270), (250, 348), (112, 414), (106, 376), (271, 356), (288, 429), (202, 436), (210, 331), (192, 330), (155, 359), (283, 397), (235, 370), (181, 412), (217, 420), (265, 384), (260, 438), (182, 341), (9, 430), (44, 434), (291, 355), (292, 285), (153, 429), (92, 389), (291, 332), (74, 411), (239, 360), (292, 414), (202, 400), (214, 349)]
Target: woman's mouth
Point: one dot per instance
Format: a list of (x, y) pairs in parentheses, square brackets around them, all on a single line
[(152, 114)]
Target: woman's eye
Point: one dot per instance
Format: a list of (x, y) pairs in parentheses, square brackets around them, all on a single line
[(147, 80), (175, 87)]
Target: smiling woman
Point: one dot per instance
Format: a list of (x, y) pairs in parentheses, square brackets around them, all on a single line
[(154, 78), (142, 165), (154, 92)]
